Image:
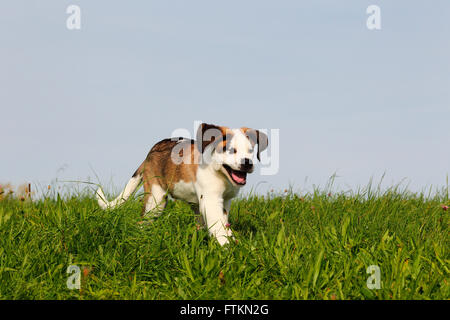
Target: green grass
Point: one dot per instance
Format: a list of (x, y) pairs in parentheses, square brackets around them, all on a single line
[(315, 246)]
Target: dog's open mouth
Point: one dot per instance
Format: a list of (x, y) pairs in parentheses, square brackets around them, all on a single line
[(238, 177)]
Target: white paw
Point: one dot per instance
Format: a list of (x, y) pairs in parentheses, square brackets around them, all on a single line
[(223, 240)]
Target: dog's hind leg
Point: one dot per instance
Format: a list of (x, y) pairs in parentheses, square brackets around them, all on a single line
[(130, 188), (155, 200)]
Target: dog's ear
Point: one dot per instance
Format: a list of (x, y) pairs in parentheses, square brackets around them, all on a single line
[(257, 137), (209, 133)]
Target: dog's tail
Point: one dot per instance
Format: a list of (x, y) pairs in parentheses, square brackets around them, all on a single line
[(131, 186)]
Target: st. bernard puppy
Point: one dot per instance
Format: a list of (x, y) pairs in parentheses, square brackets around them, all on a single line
[(207, 173)]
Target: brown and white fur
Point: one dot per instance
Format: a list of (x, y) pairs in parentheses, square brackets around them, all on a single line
[(206, 173)]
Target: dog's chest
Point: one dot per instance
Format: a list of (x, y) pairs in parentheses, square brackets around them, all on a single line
[(230, 192), (185, 191)]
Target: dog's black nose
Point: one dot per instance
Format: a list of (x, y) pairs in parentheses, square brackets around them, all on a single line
[(246, 165)]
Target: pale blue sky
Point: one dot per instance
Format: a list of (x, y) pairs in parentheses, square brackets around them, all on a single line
[(346, 99)]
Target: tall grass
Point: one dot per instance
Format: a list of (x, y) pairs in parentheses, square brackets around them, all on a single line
[(316, 245)]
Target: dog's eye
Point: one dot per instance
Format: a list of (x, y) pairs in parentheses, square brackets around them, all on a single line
[(232, 150)]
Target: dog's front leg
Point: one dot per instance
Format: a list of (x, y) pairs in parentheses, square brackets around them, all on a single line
[(215, 217)]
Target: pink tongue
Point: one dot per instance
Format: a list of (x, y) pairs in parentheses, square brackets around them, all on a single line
[(238, 177)]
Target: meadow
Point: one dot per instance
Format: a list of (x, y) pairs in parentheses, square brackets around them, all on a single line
[(316, 245)]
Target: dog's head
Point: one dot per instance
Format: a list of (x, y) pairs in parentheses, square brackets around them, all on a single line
[(231, 151)]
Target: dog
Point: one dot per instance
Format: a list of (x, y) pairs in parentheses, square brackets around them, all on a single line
[(207, 173)]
